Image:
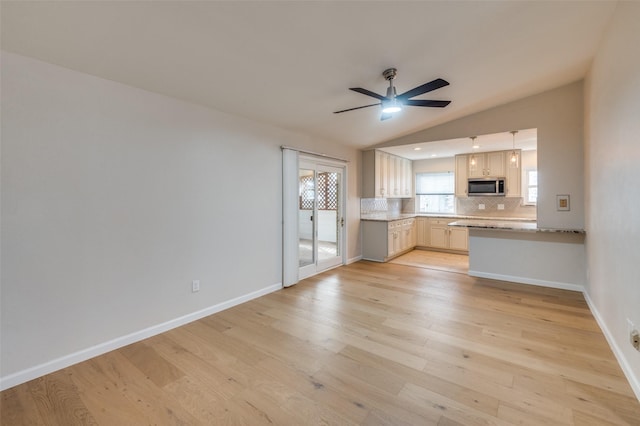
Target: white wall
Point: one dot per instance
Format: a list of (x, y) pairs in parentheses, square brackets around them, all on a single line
[(546, 259), (613, 172), (558, 115), (114, 199), (435, 165)]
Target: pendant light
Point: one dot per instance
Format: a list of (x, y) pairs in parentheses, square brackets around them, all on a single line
[(513, 159), (473, 161)]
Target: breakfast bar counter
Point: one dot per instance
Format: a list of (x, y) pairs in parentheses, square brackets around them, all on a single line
[(521, 252)]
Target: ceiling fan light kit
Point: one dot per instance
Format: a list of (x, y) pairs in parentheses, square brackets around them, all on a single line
[(392, 102)]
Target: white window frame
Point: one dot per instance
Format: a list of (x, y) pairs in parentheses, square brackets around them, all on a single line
[(448, 194), (527, 187)]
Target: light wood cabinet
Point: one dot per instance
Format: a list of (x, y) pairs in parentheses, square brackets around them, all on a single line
[(382, 241), (513, 175), (438, 235), (487, 164), (462, 175), (458, 238), (386, 175), (422, 229)]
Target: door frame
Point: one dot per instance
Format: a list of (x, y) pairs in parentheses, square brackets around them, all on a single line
[(290, 226)]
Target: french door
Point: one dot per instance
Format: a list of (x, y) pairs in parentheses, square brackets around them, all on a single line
[(320, 217)]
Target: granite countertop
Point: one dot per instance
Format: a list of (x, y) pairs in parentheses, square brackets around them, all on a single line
[(510, 226), (385, 217)]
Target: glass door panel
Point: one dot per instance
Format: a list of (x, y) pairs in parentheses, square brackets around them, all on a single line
[(306, 207), (320, 217), (330, 218)]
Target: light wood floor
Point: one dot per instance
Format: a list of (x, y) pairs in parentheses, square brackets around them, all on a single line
[(369, 343), (434, 260)]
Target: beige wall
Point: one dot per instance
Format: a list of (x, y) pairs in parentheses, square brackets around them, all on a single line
[(435, 165), (613, 171), (114, 199), (558, 116)]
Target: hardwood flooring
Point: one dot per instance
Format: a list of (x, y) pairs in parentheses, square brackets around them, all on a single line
[(434, 260), (368, 343)]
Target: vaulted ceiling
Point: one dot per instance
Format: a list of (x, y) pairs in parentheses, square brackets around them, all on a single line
[(290, 64)]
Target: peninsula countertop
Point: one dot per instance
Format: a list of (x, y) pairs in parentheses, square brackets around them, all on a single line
[(386, 217), (506, 225)]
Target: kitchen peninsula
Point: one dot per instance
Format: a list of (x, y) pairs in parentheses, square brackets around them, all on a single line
[(521, 252)]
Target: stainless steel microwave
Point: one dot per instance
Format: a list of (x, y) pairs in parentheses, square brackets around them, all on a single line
[(486, 187)]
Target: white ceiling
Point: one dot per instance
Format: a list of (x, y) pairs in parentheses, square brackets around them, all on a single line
[(290, 64), (526, 140)]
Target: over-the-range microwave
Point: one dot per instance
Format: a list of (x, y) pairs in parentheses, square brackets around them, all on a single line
[(486, 187)]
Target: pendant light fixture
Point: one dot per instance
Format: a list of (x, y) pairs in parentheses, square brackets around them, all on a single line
[(473, 161), (513, 159)]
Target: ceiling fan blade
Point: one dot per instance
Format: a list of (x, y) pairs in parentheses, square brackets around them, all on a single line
[(351, 109), (385, 116), (427, 87), (426, 103), (368, 93)]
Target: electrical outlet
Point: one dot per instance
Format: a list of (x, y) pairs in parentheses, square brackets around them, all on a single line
[(195, 286), (480, 206), (500, 206)]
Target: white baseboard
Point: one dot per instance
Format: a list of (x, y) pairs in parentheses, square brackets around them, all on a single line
[(531, 281), (102, 348), (622, 360), (354, 260)]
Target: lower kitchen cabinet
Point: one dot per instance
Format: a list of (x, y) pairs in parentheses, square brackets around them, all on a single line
[(382, 241), (435, 233)]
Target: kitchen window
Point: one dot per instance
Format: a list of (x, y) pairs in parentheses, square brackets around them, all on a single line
[(532, 186), (435, 192)]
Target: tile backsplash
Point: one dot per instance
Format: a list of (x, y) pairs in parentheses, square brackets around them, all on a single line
[(380, 205), (512, 207)]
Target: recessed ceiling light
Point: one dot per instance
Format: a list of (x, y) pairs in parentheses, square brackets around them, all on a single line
[(417, 148), (475, 146), (433, 155)]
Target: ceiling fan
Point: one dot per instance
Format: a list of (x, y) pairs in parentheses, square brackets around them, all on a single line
[(394, 102)]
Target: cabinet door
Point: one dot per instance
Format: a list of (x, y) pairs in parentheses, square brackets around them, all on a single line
[(494, 164), (400, 183), (513, 175), (439, 236), (391, 243), (480, 168), (461, 176), (382, 174), (412, 234), (408, 178), (391, 175), (458, 238), (421, 232)]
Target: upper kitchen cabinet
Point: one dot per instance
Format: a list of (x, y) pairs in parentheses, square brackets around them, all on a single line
[(513, 174), (461, 175), (487, 164), (386, 175)]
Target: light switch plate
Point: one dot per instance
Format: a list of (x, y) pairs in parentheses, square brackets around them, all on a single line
[(562, 203)]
